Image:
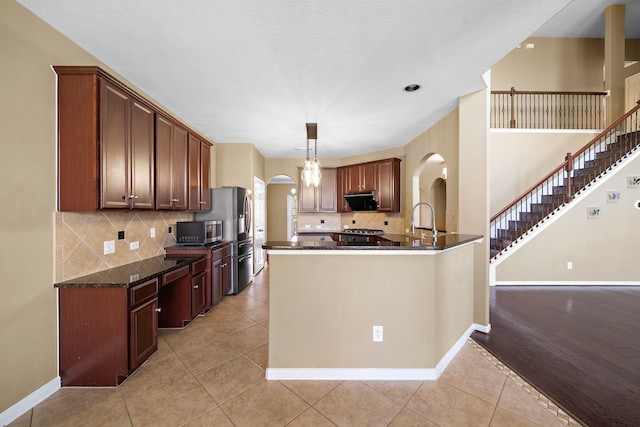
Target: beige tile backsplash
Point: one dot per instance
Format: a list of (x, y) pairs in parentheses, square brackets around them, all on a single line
[(80, 238), (335, 221)]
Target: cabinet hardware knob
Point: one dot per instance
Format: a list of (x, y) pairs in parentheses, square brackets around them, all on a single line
[(133, 196), (159, 309), (175, 200), (195, 286)]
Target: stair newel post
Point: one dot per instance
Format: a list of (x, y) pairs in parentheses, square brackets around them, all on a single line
[(512, 122), (568, 167)]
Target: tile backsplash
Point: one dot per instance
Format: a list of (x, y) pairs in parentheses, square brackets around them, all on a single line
[(80, 238), (334, 221)]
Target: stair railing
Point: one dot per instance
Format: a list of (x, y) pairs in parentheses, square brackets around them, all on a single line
[(547, 110), (576, 172)]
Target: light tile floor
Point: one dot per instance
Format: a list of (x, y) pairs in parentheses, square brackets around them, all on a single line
[(212, 373)]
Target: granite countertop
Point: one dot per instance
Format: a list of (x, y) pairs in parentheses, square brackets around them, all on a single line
[(385, 242), (129, 275), (209, 246)]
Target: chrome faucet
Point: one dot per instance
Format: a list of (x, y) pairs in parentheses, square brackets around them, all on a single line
[(433, 219)]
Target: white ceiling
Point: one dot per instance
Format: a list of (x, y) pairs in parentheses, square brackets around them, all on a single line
[(257, 71)]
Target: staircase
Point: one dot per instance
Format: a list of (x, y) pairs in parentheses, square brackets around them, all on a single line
[(561, 185)]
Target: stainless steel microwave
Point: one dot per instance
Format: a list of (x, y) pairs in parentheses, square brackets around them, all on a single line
[(196, 233)]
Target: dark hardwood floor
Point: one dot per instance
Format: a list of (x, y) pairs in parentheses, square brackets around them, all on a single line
[(578, 345)]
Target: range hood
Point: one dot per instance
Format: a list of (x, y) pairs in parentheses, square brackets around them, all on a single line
[(364, 201)]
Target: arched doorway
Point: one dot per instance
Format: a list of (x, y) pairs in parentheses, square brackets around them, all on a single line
[(281, 208), (430, 186)]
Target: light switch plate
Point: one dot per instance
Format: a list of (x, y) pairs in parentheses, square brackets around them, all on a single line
[(134, 245), (152, 232)]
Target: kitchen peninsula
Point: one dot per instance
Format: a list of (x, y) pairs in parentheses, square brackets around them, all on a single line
[(328, 299)]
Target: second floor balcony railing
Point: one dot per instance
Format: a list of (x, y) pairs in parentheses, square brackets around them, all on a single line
[(547, 110)]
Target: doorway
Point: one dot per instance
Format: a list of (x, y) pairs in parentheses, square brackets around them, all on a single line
[(259, 206)]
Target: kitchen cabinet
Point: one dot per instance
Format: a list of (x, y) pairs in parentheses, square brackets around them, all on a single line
[(361, 177), (382, 176), (171, 165), (323, 198), (199, 175), (105, 143), (106, 333), (174, 299), (388, 188), (108, 148), (221, 273), (198, 287)]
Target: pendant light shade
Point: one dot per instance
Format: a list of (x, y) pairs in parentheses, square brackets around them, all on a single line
[(311, 174)]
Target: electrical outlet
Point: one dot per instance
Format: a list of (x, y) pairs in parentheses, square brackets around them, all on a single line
[(569, 265), (377, 334), (121, 235), (134, 245), (152, 232), (109, 247), (169, 229)]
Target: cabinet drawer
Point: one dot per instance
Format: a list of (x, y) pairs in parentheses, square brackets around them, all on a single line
[(221, 253), (174, 275), (143, 292), (198, 266)]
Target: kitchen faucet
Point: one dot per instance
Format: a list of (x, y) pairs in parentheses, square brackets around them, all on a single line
[(433, 219)]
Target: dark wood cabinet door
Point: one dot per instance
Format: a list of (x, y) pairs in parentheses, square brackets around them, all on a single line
[(367, 173), (171, 165), (199, 176), (205, 176), (142, 156), (327, 191), (342, 187), (197, 294), (216, 280), (180, 173), (164, 136), (226, 275), (388, 172), (115, 110), (143, 332), (352, 179), (194, 173), (307, 198)]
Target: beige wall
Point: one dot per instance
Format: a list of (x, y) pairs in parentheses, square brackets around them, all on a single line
[(601, 250), (474, 191), (552, 65), (323, 306), (28, 336), (519, 159)]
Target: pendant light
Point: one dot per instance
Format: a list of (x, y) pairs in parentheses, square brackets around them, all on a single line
[(311, 174)]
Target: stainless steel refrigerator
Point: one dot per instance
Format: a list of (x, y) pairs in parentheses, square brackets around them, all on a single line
[(232, 205)]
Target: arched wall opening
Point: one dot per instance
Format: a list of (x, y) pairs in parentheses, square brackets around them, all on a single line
[(281, 207), (429, 184)]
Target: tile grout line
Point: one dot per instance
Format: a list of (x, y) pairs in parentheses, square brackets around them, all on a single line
[(539, 397)]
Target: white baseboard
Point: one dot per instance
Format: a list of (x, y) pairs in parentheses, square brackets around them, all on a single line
[(370, 374), (15, 411), (566, 283)]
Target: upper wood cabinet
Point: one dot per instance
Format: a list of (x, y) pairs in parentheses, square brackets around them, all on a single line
[(323, 198), (107, 148), (105, 143), (382, 176), (388, 173), (171, 165), (199, 176), (361, 177)]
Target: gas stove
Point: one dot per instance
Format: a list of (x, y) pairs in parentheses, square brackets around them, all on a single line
[(366, 231)]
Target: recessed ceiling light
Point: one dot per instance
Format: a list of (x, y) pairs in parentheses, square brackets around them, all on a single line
[(411, 88)]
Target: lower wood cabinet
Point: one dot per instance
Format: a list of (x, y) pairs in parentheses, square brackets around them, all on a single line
[(106, 333), (198, 287), (221, 276)]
